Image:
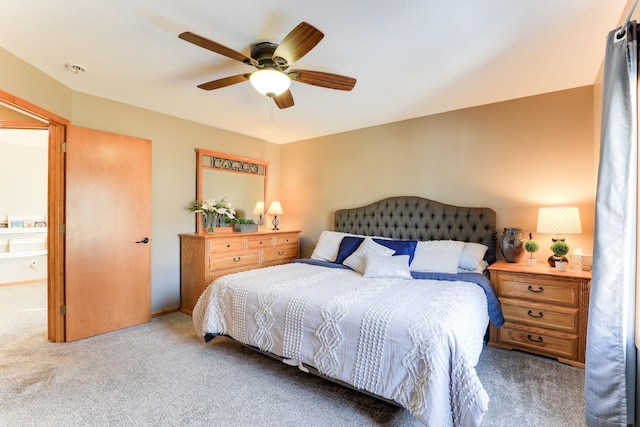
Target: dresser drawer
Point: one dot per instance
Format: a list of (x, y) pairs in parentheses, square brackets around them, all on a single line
[(287, 239), (257, 242), (537, 288), (275, 254), (223, 246), (540, 315), (245, 259), (561, 345), (215, 274)]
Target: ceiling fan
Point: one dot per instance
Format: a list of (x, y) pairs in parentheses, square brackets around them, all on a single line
[(272, 61)]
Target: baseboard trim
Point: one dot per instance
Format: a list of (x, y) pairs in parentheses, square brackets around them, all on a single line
[(23, 282), (163, 312)]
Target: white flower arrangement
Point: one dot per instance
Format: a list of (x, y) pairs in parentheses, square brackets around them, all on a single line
[(213, 210)]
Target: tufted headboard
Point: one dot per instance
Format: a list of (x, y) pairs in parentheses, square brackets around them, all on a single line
[(416, 218)]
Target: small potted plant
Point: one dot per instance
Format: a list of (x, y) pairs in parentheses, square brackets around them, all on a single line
[(244, 225), (531, 246), (559, 249)]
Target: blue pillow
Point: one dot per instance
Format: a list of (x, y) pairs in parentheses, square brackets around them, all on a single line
[(402, 247), (348, 245)]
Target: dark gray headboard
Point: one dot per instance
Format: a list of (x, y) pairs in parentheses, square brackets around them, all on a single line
[(416, 218)]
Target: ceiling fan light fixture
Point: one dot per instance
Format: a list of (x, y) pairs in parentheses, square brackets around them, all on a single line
[(270, 82)]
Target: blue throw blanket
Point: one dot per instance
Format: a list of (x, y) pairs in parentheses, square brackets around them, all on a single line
[(493, 305)]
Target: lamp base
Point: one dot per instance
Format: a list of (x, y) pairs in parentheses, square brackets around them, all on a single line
[(275, 222)]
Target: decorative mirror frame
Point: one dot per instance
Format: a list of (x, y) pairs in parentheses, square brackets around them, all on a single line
[(226, 163)]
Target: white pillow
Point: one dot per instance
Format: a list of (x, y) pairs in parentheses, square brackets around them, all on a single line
[(356, 260), (328, 244), (437, 256), (392, 267), (472, 258)]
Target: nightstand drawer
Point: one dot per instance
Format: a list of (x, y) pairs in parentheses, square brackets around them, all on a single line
[(538, 288), (244, 259), (540, 315), (561, 345)]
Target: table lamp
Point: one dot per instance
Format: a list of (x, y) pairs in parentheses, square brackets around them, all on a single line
[(275, 209), (559, 221)]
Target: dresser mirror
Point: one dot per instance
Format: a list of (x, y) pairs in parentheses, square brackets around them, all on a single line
[(239, 180)]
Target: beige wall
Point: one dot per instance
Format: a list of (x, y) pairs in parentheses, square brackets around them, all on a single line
[(511, 156), (20, 79)]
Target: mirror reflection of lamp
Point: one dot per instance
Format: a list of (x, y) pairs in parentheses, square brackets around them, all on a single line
[(559, 221), (259, 210), (275, 209)]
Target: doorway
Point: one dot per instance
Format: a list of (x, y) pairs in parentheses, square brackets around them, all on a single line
[(23, 206), (56, 125), (80, 160), (23, 231)]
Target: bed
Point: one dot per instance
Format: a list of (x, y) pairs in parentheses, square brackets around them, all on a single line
[(394, 302)]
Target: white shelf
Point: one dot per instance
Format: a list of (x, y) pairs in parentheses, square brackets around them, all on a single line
[(26, 230), (22, 254), (20, 238)]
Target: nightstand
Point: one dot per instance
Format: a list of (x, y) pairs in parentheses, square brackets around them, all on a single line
[(545, 310)]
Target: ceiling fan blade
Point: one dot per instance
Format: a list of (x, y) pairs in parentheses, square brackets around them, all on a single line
[(297, 44), (227, 81), (284, 100), (216, 47), (319, 78)]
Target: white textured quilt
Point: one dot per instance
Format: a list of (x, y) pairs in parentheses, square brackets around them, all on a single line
[(412, 341)]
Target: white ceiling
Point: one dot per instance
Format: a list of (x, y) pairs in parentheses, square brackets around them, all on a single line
[(411, 57)]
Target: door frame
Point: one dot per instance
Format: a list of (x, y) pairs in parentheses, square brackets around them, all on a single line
[(55, 211)]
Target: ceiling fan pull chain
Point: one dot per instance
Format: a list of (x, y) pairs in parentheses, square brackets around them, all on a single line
[(270, 109)]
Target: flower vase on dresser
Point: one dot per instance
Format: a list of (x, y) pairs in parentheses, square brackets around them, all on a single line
[(208, 222), (213, 211), (512, 244)]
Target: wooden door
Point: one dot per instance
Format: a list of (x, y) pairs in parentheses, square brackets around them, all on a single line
[(108, 218)]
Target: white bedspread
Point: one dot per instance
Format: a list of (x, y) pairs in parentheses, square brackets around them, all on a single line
[(412, 341)]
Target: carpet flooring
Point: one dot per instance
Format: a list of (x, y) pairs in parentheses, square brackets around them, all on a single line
[(161, 374)]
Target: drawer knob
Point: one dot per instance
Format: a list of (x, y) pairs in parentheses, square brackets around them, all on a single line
[(236, 259), (540, 289), (539, 315), (530, 338), (280, 252)]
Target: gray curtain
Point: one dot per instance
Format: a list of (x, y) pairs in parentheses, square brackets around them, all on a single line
[(610, 374)]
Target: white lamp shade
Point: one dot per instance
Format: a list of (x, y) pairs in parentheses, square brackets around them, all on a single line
[(275, 209), (270, 82), (559, 220), (259, 209)]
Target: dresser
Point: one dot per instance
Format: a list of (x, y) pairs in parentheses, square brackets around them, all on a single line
[(545, 310), (205, 257)]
